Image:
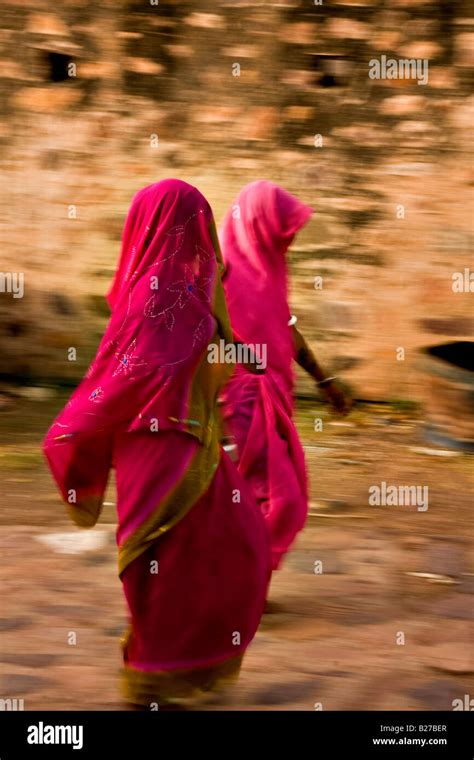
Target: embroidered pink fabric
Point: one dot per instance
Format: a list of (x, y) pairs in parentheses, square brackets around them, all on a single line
[(161, 324)]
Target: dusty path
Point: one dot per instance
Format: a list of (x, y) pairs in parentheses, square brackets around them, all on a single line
[(335, 640)]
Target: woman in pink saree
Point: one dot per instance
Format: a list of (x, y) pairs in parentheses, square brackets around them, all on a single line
[(193, 553), (255, 236)]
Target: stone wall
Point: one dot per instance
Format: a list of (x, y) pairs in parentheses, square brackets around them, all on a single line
[(98, 99)]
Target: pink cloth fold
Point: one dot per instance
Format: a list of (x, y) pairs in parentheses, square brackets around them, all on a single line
[(165, 311), (255, 237), (194, 560)]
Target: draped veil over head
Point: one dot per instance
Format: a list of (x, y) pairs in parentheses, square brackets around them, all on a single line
[(151, 370), (255, 236)]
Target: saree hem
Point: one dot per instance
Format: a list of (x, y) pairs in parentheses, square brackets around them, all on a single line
[(143, 688), (85, 514)]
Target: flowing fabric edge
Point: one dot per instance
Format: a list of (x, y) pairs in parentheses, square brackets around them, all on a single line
[(186, 492), (167, 686)]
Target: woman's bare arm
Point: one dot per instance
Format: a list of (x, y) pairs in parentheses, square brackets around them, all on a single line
[(306, 358), (307, 361)]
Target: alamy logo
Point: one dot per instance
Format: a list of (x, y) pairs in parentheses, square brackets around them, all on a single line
[(42, 734), (401, 68), (463, 282), (399, 496), (237, 353), (12, 282), (464, 704), (12, 704)]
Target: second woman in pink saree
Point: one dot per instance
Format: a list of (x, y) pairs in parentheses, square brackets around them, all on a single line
[(255, 236), (193, 551)]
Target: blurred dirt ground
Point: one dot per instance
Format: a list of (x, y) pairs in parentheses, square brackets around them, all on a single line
[(334, 638)]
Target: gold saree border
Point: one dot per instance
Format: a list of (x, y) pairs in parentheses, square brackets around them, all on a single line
[(185, 493), (86, 513), (143, 688)]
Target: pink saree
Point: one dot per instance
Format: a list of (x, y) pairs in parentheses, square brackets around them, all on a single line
[(193, 551), (255, 236)]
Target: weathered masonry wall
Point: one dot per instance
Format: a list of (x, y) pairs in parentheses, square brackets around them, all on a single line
[(97, 99)]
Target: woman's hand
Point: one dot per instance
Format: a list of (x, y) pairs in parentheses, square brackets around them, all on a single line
[(339, 400)]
